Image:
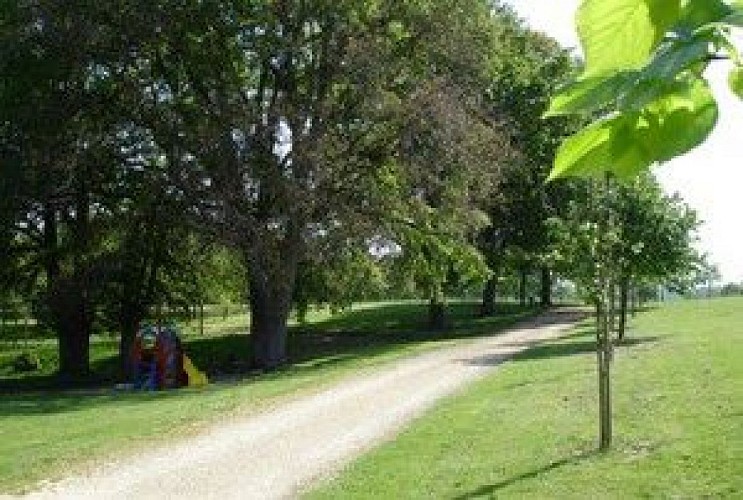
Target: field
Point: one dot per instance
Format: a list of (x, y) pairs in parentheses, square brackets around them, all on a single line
[(46, 433), (530, 430)]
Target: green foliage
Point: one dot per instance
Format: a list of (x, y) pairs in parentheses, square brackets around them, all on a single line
[(643, 83), (527, 67), (629, 231), (621, 34)]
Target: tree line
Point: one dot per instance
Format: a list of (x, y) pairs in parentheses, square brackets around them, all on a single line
[(294, 153)]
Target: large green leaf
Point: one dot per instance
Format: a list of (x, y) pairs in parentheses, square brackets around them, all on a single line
[(632, 90), (628, 143), (589, 151), (590, 94), (680, 121), (622, 34), (673, 58)]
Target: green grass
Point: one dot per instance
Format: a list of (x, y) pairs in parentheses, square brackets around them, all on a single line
[(45, 434), (530, 430)]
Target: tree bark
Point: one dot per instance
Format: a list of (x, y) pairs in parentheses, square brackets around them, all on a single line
[(436, 315), (634, 300), (546, 289), (489, 296), (74, 353), (128, 324), (66, 299), (272, 278), (269, 309), (522, 286), (73, 320), (623, 302), (603, 351)]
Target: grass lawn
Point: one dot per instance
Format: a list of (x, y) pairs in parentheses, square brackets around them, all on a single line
[(530, 430), (45, 434)]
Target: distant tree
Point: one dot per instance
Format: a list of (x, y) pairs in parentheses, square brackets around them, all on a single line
[(657, 235), (731, 289), (526, 69)]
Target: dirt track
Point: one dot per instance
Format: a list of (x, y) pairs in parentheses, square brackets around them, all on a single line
[(276, 454)]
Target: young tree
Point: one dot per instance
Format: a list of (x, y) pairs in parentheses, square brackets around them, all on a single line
[(643, 83)]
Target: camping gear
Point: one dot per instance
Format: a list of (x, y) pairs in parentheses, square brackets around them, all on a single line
[(158, 361)]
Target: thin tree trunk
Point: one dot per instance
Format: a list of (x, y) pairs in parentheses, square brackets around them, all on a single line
[(603, 351), (489, 296), (612, 311), (436, 309), (546, 289), (634, 300), (522, 286), (623, 299), (201, 318)]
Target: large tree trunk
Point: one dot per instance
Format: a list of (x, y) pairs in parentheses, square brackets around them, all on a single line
[(67, 303), (273, 270), (270, 304), (74, 350), (546, 289), (489, 296), (73, 321)]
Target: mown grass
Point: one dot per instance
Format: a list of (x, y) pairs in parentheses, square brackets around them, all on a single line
[(46, 434), (530, 429)]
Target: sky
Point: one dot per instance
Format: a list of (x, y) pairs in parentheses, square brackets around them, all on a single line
[(709, 178)]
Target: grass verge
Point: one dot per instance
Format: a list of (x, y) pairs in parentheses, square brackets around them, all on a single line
[(47, 434), (529, 431)]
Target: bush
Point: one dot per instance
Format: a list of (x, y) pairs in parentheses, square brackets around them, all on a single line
[(26, 362)]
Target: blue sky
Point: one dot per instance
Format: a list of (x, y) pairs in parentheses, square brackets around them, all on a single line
[(709, 178)]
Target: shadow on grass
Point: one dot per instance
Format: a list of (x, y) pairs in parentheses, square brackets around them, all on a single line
[(491, 490), (54, 402), (343, 339)]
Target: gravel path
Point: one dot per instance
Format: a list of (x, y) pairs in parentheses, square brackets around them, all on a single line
[(276, 454)]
